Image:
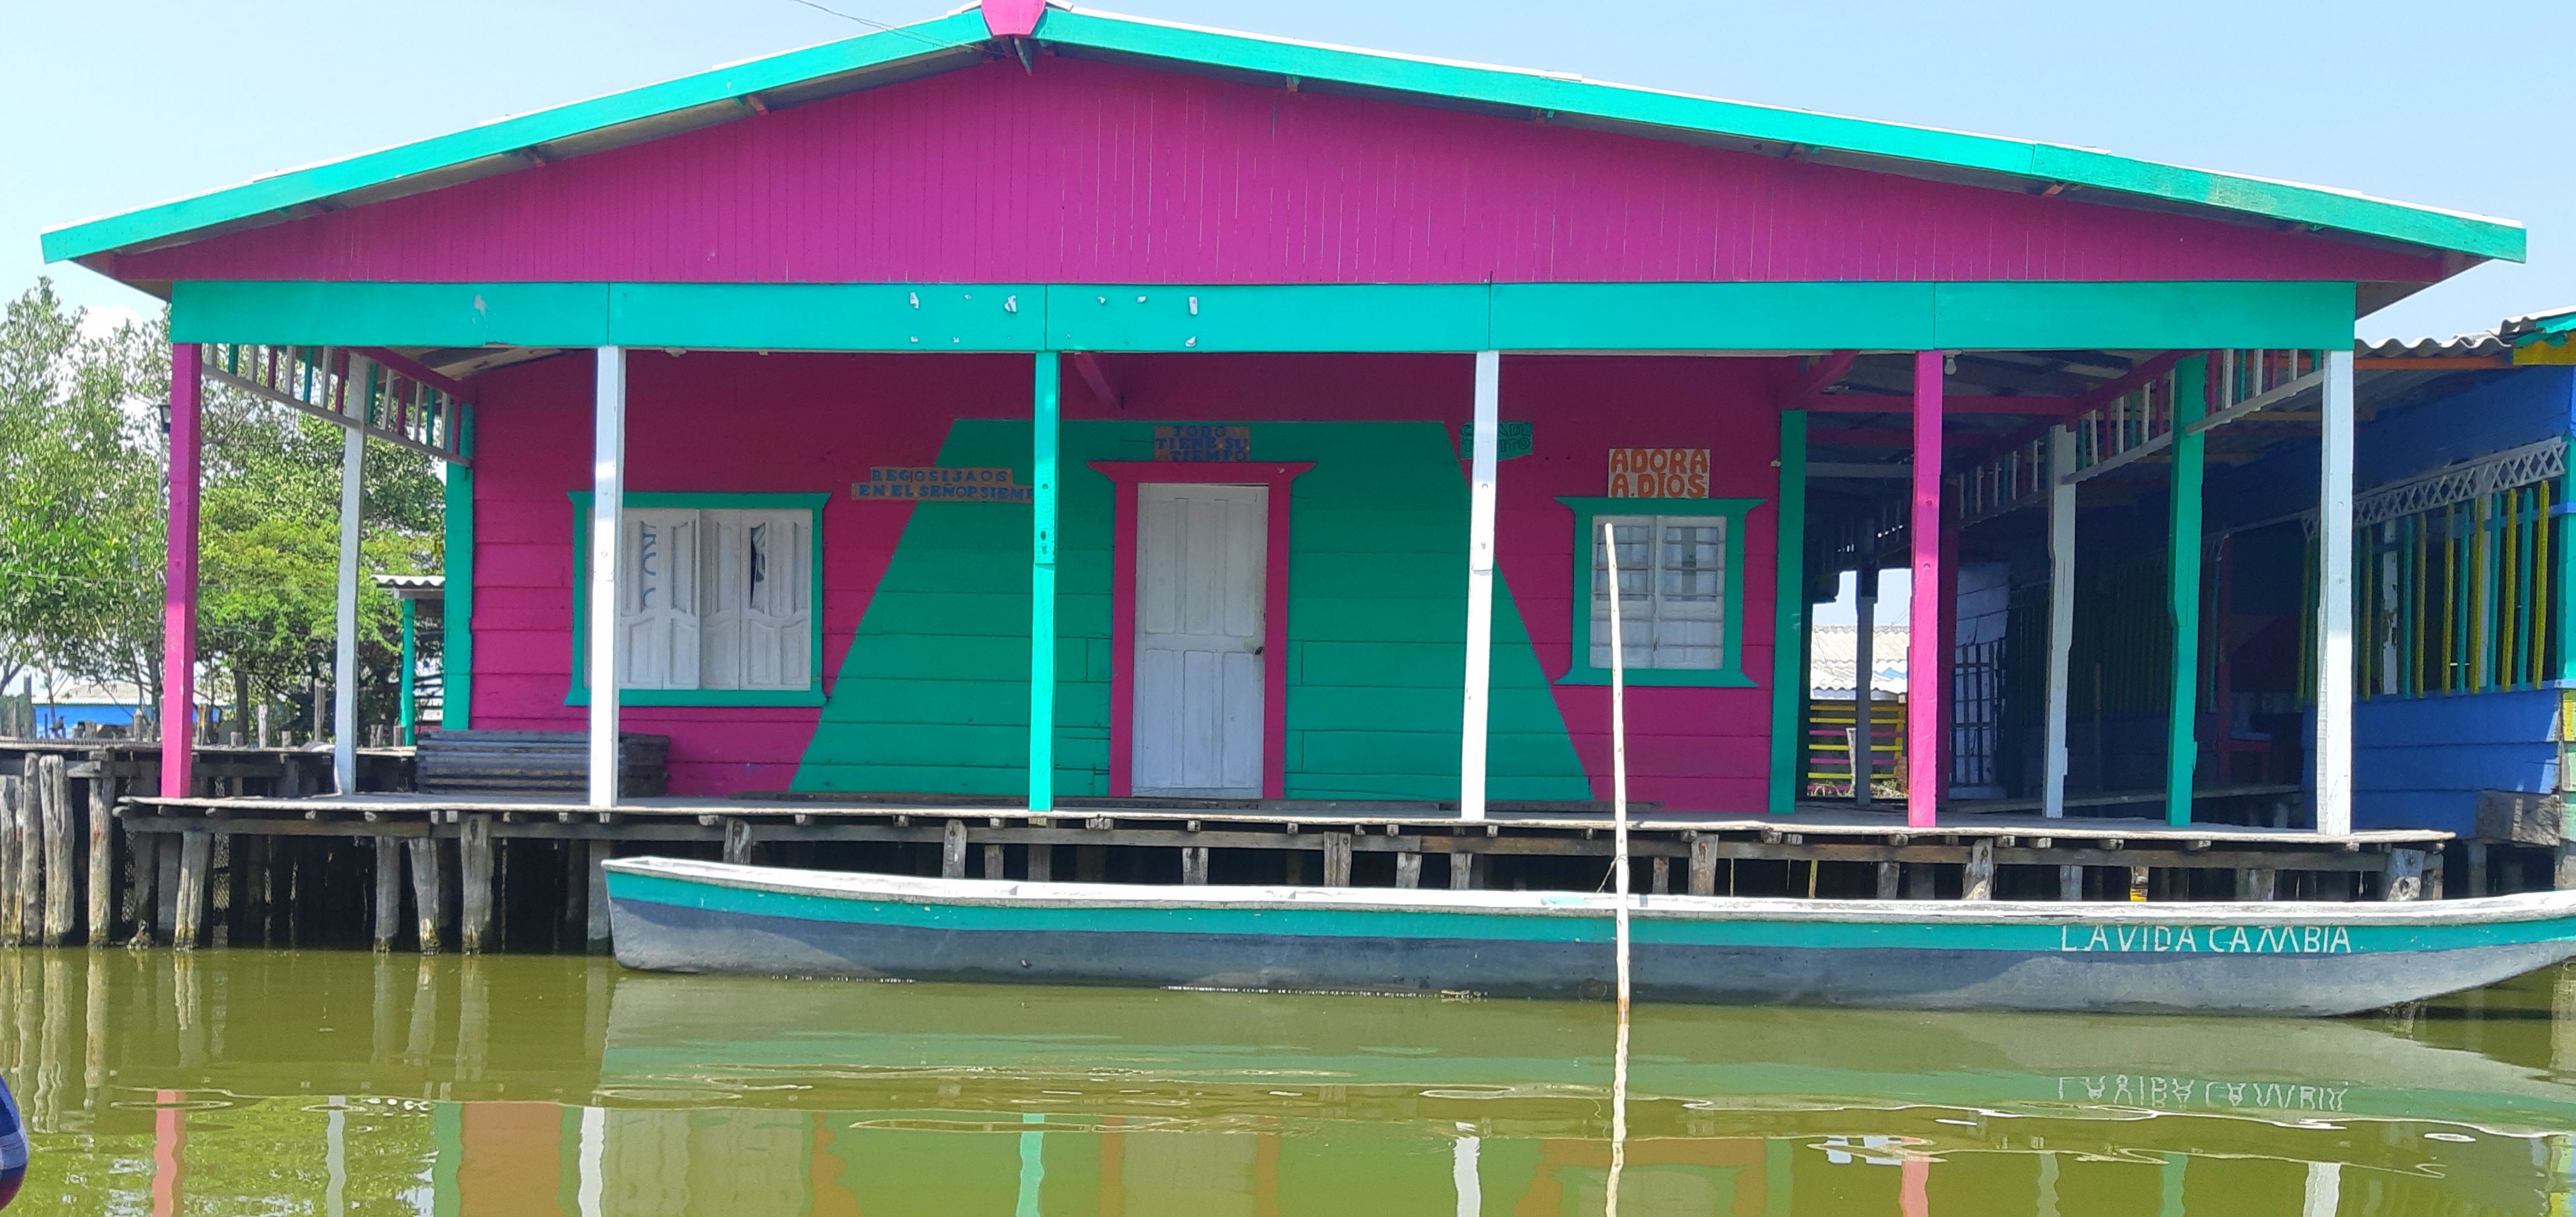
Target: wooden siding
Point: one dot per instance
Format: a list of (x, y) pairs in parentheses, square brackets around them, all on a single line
[(1094, 172)]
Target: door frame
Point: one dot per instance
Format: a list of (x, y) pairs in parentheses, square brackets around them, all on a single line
[(1124, 478)]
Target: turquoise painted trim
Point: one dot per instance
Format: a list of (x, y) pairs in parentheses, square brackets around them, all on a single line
[(713, 96), (1531, 926), (1729, 674), (705, 97), (2182, 585), (1045, 441), (1269, 317), (456, 608), (1920, 316), (829, 316), (579, 693), (1276, 317), (1788, 614), (391, 314), (2563, 535)]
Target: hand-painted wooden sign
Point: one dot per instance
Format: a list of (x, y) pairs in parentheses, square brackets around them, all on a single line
[(1510, 440), (1202, 443), (1658, 473), (933, 484)]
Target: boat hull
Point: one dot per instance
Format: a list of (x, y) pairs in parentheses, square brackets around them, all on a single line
[(2267, 959)]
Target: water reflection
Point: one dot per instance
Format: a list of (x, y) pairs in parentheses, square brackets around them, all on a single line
[(343, 1084)]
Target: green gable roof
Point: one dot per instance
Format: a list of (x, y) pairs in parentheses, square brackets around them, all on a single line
[(961, 38)]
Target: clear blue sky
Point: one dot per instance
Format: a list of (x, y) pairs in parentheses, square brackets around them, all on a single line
[(110, 106)]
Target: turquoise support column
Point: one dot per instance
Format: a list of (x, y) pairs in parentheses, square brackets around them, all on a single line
[(456, 616), (1789, 614), (1043, 425), (2563, 580), (2182, 747), (410, 659)]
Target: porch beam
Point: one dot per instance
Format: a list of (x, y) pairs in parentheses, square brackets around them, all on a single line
[(351, 420), (1926, 699), (179, 587), (607, 563), (1789, 616), (2334, 599), (1087, 365), (2182, 585), (1816, 378), (344, 659), (1045, 415), (2061, 611), (1889, 403), (1487, 412)]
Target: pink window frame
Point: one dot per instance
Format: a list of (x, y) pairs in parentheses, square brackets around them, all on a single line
[(1125, 477)]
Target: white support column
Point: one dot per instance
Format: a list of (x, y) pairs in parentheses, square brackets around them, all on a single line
[(2334, 601), (344, 663), (2061, 607), (607, 515), (1480, 585)]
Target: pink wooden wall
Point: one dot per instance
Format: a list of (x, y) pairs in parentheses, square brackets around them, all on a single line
[(737, 423), (1093, 172)]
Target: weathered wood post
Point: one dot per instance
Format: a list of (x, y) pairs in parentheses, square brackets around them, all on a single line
[(11, 928), (1337, 859), (2070, 883), (737, 839), (424, 889), (1978, 881), (388, 903), (102, 848), (474, 882), (995, 863), (31, 853), (2475, 855), (59, 886), (2405, 875), (1408, 869), (2256, 883), (595, 925), (1462, 871), (952, 850), (1703, 866), (1888, 875), (196, 857), (1041, 864)]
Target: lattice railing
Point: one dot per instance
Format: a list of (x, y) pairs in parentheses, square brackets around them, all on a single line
[(2487, 475), (349, 387)]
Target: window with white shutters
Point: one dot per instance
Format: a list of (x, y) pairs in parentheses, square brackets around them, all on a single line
[(1672, 591), (718, 599)]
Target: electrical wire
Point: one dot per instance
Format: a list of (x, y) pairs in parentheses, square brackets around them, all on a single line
[(874, 24)]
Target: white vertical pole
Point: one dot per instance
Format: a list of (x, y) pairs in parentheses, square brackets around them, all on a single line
[(2323, 1195), (2334, 603), (2061, 606), (1618, 866), (344, 662), (1466, 1175), (607, 515), (591, 1189), (1480, 586), (1864, 747)]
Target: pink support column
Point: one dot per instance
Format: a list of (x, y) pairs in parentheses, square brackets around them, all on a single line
[(1926, 700), (1945, 654), (179, 591)]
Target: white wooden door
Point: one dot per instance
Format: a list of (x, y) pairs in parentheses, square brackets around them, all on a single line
[(1200, 563), (658, 622)]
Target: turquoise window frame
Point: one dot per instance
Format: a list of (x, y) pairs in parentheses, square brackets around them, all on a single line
[(579, 694), (1729, 673)]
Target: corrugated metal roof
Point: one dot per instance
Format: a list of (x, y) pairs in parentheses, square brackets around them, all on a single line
[(1835, 650), (2499, 341)]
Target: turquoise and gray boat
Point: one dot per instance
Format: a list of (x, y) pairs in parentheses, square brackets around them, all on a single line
[(2251, 958)]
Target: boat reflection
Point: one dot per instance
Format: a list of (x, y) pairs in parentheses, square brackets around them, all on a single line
[(337, 1084)]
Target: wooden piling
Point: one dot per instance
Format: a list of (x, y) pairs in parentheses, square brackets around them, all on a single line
[(388, 904), (1918, 881), (1662, 882), (59, 884), (1977, 881), (11, 929), (1889, 876), (2405, 875), (1194, 864), (2070, 883), (2433, 887), (995, 862), (595, 933), (1090, 863), (1337, 859), (737, 840), (474, 882), (2256, 883), (2474, 853), (1462, 871), (143, 859), (31, 856), (424, 890), (1703, 866), (102, 850), (1408, 869), (952, 850), (196, 857), (1041, 864), (2562, 866)]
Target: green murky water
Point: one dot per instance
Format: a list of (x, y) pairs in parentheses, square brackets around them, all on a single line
[(250, 1082)]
